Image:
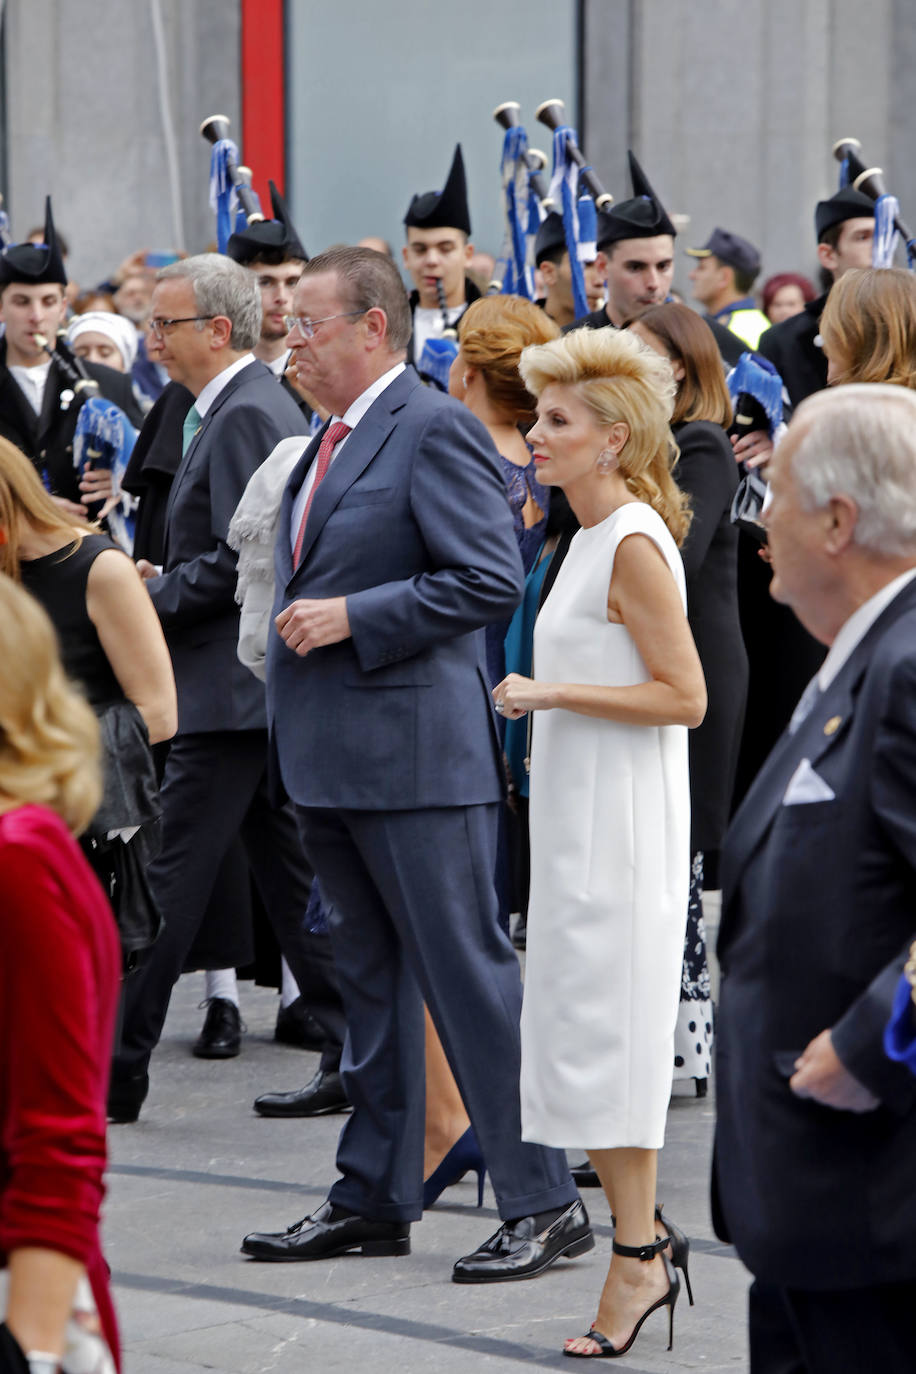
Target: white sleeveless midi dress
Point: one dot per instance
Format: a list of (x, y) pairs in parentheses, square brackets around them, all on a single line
[(610, 870)]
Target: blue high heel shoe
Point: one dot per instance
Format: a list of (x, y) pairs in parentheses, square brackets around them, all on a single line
[(463, 1158)]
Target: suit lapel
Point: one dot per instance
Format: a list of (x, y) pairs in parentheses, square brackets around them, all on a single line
[(246, 374), (825, 726), (360, 448)]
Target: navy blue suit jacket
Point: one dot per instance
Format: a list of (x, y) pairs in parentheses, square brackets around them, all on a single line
[(195, 596), (819, 904), (411, 525)]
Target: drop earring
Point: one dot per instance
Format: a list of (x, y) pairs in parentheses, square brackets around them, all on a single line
[(607, 460), (465, 380)]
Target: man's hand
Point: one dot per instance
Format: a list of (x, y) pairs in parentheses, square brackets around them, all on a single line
[(306, 625), (146, 569), (753, 449), (821, 1075), (69, 507), (96, 485)]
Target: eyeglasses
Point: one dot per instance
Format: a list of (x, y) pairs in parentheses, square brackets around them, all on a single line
[(306, 326), (159, 328)]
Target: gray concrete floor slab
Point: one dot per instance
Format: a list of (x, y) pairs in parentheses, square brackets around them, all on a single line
[(199, 1170)]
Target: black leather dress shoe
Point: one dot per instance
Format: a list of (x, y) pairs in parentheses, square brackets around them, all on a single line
[(329, 1232), (126, 1096), (518, 1250), (322, 1096), (297, 1026), (221, 1034), (584, 1175)]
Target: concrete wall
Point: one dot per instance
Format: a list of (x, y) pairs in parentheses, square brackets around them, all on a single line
[(731, 105), (84, 121)]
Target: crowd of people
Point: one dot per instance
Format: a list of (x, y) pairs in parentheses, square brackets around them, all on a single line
[(383, 670)]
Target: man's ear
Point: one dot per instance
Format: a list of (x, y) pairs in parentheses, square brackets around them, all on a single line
[(376, 323), (601, 264), (549, 274), (843, 516), (468, 251), (826, 256), (222, 331)]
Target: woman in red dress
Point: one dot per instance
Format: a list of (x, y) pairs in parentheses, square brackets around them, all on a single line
[(54, 1055)]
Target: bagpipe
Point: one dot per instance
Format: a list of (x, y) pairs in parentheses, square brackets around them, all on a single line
[(103, 439), (888, 222), (231, 196), (755, 388), (578, 211), (526, 203)]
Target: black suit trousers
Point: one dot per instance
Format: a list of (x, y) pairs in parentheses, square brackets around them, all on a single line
[(794, 1331), (414, 917), (215, 788)]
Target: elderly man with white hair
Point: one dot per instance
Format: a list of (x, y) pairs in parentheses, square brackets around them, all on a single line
[(813, 1175)]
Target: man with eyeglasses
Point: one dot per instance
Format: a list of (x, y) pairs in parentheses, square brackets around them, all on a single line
[(204, 323), (395, 548)]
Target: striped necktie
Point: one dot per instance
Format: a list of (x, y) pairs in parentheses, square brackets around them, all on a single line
[(333, 435)]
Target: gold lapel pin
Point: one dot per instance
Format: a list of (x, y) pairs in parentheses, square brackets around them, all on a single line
[(833, 725)]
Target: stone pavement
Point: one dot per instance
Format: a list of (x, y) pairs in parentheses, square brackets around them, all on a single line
[(199, 1170)]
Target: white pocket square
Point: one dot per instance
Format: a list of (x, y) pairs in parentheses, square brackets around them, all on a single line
[(807, 786)]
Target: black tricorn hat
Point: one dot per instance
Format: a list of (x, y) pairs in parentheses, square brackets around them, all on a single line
[(267, 235), (642, 217), (551, 236), (34, 263), (843, 205), (445, 209)]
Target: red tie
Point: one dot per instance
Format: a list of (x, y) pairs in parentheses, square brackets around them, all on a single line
[(332, 436)]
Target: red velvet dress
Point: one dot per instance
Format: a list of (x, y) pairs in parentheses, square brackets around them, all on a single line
[(59, 973)]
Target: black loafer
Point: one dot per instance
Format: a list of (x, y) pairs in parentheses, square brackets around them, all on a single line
[(519, 1251), (221, 1034), (322, 1096), (297, 1026), (321, 1236)]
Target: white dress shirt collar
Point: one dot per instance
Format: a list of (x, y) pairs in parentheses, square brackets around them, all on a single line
[(357, 409), (857, 626), (216, 384)]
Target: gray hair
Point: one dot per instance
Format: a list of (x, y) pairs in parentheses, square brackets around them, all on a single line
[(860, 442), (222, 287)]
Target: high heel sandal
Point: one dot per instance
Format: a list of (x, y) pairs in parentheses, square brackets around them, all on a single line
[(680, 1247), (607, 1351), (464, 1157)]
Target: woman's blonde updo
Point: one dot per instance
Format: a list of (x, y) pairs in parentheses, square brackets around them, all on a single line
[(621, 379), (49, 737), (492, 333), (869, 326)]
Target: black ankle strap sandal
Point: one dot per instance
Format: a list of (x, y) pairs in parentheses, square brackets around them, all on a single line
[(641, 1252)]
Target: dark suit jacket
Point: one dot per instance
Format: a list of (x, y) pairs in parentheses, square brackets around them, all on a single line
[(791, 349), (412, 525), (152, 468), (195, 596), (819, 903), (707, 471), (48, 438)]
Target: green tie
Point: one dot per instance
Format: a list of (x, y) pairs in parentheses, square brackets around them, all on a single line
[(191, 425)]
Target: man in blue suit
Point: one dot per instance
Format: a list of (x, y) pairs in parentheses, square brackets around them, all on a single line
[(816, 1133), (206, 318), (395, 548)]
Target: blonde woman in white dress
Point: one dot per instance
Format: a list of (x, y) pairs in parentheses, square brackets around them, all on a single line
[(618, 682)]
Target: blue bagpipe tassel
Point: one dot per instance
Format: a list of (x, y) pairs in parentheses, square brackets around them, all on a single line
[(588, 230), (105, 438), (755, 376), (514, 268), (884, 243), (564, 191), (436, 361), (223, 197), (844, 174)]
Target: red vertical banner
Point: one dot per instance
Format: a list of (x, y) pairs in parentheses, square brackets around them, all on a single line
[(264, 95)]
